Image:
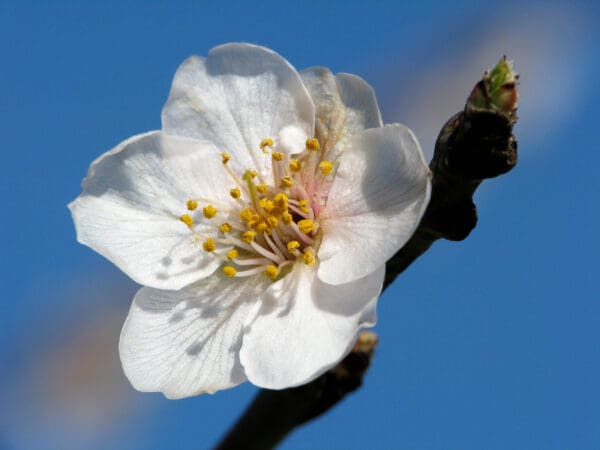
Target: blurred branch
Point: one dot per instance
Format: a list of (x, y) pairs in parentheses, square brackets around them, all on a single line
[(475, 144)]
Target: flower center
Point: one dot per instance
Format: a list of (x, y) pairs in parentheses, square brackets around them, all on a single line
[(266, 227)]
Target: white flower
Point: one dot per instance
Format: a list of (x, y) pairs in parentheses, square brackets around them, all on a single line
[(259, 219)]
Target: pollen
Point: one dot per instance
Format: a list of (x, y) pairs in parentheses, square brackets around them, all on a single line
[(262, 188), (209, 211), (266, 142), (229, 271), (303, 205), (293, 245), (187, 219), (225, 157), (326, 167), (271, 271), (308, 258), (277, 156), (295, 165), (312, 144), (235, 192), (192, 205), (287, 218), (209, 245), (262, 226), (273, 221), (306, 225), (281, 201), (287, 181), (249, 216), (225, 228), (267, 205), (232, 254), (248, 236)]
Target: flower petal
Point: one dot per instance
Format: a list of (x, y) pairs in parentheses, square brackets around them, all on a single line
[(132, 199), (375, 203), (186, 342), (305, 326), (236, 97), (345, 104)]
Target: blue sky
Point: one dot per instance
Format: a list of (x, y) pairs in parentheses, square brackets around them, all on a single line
[(489, 343)]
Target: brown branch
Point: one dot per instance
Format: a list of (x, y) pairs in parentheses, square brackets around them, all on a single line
[(475, 144)]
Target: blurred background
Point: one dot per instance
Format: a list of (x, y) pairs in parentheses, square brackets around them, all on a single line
[(490, 343)]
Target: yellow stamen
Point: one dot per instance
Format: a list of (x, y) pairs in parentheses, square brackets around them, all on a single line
[(277, 156), (308, 258), (209, 245), (229, 271), (225, 157), (225, 228), (287, 181), (262, 188), (235, 192), (281, 201), (273, 221), (326, 167), (303, 205), (192, 205), (266, 142), (187, 219), (287, 218), (232, 254), (293, 245), (248, 236), (295, 165), (312, 144), (306, 225), (209, 211), (271, 271), (262, 227)]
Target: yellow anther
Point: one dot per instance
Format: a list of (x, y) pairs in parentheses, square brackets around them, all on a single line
[(293, 245), (295, 165), (232, 254), (271, 271), (308, 258), (306, 225), (248, 236), (303, 205), (247, 215), (229, 271), (277, 156), (326, 167), (287, 181), (266, 204), (312, 144), (225, 228), (225, 157), (287, 218), (187, 219), (266, 142), (281, 201), (273, 221), (235, 192), (192, 205), (253, 173), (209, 245), (262, 226), (209, 211), (262, 188)]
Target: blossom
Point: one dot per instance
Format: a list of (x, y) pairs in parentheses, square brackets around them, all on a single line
[(259, 220)]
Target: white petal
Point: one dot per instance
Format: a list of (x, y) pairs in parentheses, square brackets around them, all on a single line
[(237, 96), (305, 326), (378, 196), (132, 199), (186, 342), (345, 105)]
